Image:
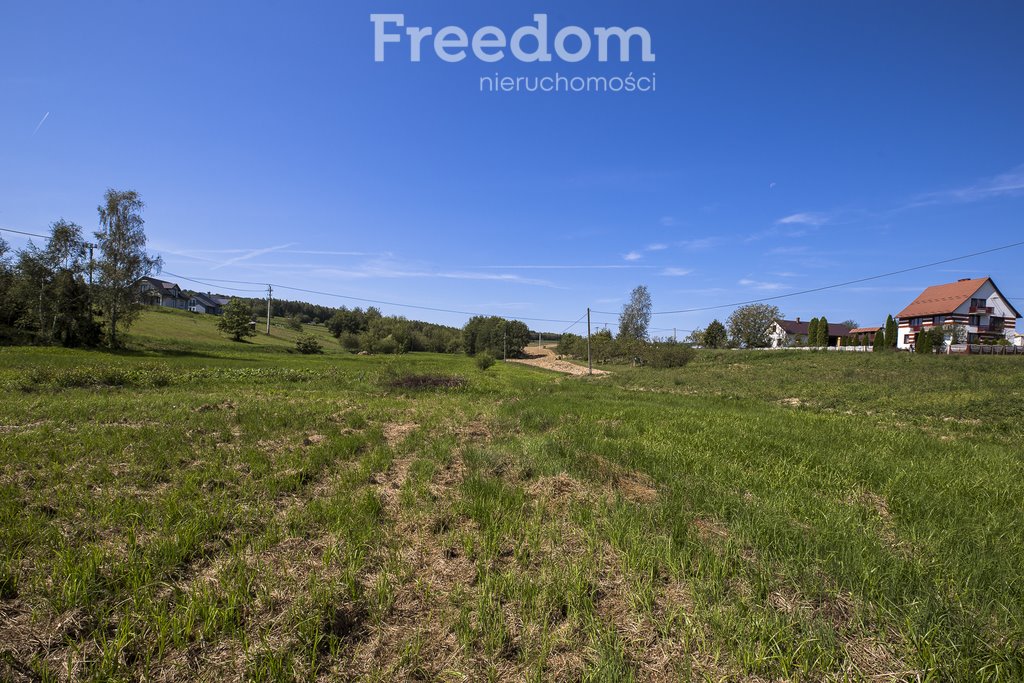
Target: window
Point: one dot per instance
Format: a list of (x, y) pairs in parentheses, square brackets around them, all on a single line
[(915, 322), (906, 339), (937, 320)]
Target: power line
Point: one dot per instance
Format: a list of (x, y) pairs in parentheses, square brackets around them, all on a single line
[(844, 284), (379, 302), (208, 284), (574, 324), (21, 232)]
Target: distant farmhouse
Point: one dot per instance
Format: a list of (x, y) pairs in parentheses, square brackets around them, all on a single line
[(161, 293), (977, 306), (207, 303), (169, 295), (785, 333)]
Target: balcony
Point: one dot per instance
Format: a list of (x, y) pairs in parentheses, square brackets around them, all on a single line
[(982, 309)]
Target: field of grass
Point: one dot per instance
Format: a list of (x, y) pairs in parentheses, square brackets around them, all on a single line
[(200, 509)]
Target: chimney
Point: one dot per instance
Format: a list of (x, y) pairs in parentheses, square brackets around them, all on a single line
[(798, 320)]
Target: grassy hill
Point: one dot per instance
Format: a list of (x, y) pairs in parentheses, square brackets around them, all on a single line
[(166, 329), (195, 508)]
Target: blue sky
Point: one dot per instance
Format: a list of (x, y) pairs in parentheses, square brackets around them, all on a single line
[(788, 145)]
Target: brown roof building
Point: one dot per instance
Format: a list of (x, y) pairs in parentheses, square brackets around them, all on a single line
[(976, 305)]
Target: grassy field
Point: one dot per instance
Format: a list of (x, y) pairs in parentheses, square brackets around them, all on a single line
[(200, 509)]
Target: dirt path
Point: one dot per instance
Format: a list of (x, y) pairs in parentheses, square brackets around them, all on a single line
[(543, 357)]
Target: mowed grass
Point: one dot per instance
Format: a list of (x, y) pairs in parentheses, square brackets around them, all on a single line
[(221, 511)]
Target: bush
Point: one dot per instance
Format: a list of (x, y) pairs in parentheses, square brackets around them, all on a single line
[(349, 341), (308, 344), (668, 355), (484, 360)]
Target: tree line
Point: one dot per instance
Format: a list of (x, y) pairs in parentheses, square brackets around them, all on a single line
[(58, 294)]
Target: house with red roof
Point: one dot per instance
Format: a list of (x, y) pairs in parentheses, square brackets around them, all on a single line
[(975, 305)]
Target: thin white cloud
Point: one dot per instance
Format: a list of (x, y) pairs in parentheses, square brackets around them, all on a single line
[(676, 272), (656, 247), (804, 218), (763, 286), (566, 267), (633, 256), (253, 253), (1009, 184), (397, 271), (700, 243)]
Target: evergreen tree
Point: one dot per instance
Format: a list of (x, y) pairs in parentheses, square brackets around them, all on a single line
[(924, 342), (880, 340), (812, 332), (891, 332), (823, 331)]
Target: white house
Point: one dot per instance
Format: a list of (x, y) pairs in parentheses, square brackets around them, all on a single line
[(783, 333), (975, 305)]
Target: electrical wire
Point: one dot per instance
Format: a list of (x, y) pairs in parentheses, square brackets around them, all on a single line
[(843, 284), (20, 232)]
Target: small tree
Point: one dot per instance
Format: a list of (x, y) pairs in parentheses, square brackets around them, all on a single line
[(308, 344), (636, 315), (880, 338), (295, 323), (484, 360), (748, 325), (237, 320), (822, 332), (123, 259), (891, 332), (715, 336)]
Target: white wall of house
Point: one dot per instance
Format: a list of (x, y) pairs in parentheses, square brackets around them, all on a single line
[(1000, 309)]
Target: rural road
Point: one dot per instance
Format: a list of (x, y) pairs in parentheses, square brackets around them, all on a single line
[(543, 357)]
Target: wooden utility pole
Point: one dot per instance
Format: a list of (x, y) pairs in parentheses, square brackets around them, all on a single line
[(90, 246), (270, 296), (590, 362)]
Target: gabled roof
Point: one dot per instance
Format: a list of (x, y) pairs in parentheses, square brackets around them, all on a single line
[(939, 299), (864, 330), (794, 327), (205, 300), (162, 284)]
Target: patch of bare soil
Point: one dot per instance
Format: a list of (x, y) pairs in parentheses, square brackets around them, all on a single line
[(395, 432), (543, 357)]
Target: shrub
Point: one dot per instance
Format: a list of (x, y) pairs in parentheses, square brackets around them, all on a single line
[(668, 355), (349, 341), (308, 344), (484, 360), (386, 345)]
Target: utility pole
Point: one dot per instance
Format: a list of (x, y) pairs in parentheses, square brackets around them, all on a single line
[(270, 295), (90, 246), (590, 362), (674, 338)]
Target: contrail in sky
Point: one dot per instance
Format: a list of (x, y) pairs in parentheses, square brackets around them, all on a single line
[(40, 124)]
